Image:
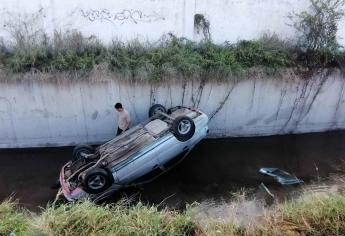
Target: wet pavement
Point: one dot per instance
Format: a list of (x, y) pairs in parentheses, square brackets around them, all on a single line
[(213, 169)]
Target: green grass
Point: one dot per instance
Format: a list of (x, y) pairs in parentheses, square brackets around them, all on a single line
[(86, 218), (312, 214), (317, 214), (320, 214), (171, 57), (12, 220)]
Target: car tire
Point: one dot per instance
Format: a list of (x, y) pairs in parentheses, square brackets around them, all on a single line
[(81, 148), (183, 128), (97, 180), (156, 107)]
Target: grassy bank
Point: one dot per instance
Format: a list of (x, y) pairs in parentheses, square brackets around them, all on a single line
[(86, 218), (171, 57), (311, 214), (13, 219)]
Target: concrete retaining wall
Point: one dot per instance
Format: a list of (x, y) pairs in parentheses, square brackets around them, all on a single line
[(37, 113), (229, 20)]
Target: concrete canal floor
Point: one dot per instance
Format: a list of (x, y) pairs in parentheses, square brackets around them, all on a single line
[(212, 170)]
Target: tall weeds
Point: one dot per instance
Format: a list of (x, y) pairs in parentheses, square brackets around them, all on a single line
[(13, 220), (311, 214), (167, 58)]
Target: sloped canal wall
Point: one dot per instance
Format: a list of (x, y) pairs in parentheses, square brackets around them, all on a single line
[(37, 113)]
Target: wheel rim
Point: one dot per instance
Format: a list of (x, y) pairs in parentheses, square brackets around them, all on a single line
[(96, 182), (184, 126)]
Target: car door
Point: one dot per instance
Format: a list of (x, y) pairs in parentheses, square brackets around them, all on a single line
[(140, 164)]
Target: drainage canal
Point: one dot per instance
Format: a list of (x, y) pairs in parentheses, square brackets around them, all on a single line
[(211, 171)]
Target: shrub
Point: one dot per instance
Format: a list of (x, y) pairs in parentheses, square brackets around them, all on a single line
[(317, 28)]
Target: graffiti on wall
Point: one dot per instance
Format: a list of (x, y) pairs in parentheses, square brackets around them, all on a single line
[(124, 16)]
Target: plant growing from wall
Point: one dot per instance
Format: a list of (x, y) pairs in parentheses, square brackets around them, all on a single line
[(317, 30)]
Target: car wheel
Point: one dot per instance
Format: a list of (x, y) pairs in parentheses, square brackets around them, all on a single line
[(81, 148), (97, 180), (155, 108), (183, 128)]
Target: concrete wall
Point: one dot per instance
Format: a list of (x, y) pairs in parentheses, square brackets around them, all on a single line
[(230, 20), (37, 113)]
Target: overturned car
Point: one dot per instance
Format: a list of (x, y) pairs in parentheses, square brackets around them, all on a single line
[(136, 156)]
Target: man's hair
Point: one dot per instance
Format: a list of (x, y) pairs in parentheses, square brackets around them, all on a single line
[(118, 105)]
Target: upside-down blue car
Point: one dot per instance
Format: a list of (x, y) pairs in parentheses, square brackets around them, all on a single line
[(136, 156)]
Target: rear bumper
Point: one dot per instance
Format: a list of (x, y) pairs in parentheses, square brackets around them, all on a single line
[(71, 195)]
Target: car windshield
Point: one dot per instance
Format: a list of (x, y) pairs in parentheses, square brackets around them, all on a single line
[(281, 176)]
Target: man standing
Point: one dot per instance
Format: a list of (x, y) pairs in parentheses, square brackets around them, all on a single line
[(123, 118)]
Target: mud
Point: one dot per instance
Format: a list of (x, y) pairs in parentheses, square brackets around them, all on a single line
[(213, 170)]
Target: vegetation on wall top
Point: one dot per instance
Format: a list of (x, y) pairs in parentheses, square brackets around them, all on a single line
[(180, 58), (170, 57)]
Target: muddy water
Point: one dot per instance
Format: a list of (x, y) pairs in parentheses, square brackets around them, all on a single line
[(212, 170)]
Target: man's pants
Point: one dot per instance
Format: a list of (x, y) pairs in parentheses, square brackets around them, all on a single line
[(119, 131)]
